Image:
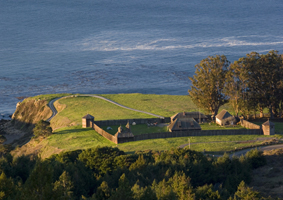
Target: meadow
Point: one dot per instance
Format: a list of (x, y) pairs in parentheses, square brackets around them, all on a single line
[(69, 135), (73, 138)]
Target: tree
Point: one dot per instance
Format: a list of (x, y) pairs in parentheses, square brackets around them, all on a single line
[(245, 192), (255, 82), (208, 83), (63, 187), (123, 192), (42, 128), (7, 187)]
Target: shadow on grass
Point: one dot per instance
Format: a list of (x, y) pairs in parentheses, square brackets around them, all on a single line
[(75, 130)]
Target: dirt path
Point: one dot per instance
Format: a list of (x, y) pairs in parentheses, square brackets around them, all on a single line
[(263, 148)]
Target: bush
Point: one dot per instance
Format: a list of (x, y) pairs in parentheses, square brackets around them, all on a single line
[(255, 158), (42, 128)]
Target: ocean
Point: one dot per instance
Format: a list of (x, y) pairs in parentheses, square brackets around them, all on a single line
[(124, 46)]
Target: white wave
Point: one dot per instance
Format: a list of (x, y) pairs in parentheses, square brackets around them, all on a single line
[(137, 42), (112, 46)]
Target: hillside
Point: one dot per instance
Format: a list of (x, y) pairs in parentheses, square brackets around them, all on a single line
[(69, 135), (268, 179)]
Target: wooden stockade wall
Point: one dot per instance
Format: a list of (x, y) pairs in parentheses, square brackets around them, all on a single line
[(249, 125), (197, 133), (108, 136), (253, 130), (137, 121)]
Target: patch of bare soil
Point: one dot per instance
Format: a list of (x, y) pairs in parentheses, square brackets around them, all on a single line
[(35, 148), (13, 135), (269, 179)]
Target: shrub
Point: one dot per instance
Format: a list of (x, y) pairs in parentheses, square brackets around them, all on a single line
[(42, 128)]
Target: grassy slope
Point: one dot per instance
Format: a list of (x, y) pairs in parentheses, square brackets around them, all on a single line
[(164, 105), (268, 179), (73, 137), (47, 97), (76, 108)]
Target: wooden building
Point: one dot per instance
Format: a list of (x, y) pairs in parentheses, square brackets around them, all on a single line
[(268, 128), (225, 118), (195, 115), (87, 121), (184, 124), (124, 134)]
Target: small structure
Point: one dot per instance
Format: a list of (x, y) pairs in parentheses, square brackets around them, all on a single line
[(124, 134), (184, 124), (268, 128), (195, 115), (87, 121), (225, 118)]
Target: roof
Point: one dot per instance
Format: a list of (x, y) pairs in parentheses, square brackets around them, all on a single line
[(183, 124), (88, 116), (268, 123), (194, 115), (223, 115)]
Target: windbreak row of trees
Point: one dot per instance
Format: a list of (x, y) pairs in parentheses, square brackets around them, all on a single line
[(250, 84), (108, 173)]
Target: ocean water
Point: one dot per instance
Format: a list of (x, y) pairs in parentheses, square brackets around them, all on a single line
[(125, 46)]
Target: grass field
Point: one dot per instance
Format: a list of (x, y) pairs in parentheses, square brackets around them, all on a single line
[(143, 128), (76, 137), (138, 129), (77, 107), (164, 105), (214, 126), (70, 136), (73, 138), (47, 97)]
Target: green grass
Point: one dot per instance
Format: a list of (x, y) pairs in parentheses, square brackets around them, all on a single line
[(73, 138), (47, 97), (76, 137), (226, 144), (214, 126), (138, 129), (143, 128), (164, 105), (78, 107)]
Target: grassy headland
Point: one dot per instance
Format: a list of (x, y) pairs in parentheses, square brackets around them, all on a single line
[(68, 134)]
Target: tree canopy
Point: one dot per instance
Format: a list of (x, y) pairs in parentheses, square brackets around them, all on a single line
[(173, 174), (250, 84), (208, 83), (42, 128)]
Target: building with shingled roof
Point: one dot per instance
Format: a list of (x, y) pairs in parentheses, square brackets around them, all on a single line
[(268, 128), (224, 118), (184, 124), (195, 115), (124, 132), (87, 121)]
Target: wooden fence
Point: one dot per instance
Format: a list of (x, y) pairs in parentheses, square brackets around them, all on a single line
[(197, 133), (253, 130), (103, 133), (137, 121), (249, 125)]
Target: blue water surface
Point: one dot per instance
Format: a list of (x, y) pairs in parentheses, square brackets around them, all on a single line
[(95, 46)]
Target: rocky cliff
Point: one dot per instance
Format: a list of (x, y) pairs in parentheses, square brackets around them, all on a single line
[(29, 112)]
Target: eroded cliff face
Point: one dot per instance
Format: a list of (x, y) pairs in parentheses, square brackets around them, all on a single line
[(29, 112)]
